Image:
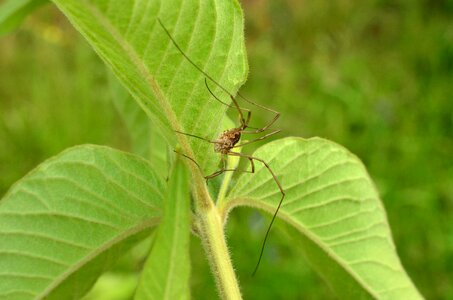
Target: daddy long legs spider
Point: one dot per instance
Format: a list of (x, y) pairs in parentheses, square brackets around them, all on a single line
[(228, 140)]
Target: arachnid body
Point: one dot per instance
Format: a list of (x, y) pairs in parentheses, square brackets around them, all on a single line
[(228, 140)]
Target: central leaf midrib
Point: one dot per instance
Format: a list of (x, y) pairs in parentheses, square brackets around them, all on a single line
[(137, 62)]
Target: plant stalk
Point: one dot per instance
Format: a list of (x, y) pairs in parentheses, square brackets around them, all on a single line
[(217, 251), (213, 237)]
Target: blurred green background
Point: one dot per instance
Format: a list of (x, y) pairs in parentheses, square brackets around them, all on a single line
[(374, 76)]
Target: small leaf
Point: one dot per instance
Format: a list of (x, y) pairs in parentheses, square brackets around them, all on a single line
[(333, 203), (166, 272), (71, 218), (13, 12), (128, 37)]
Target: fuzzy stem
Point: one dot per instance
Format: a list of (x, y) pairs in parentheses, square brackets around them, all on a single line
[(213, 238), (217, 251)]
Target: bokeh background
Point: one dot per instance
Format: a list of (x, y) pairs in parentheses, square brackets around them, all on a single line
[(375, 76)]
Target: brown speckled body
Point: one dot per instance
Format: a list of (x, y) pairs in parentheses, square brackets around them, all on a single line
[(227, 140)]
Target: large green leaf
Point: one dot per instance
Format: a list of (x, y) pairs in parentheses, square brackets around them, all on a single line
[(166, 272), (128, 37), (71, 218), (333, 204), (13, 12)]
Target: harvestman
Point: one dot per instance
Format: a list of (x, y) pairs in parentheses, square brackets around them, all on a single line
[(228, 139)]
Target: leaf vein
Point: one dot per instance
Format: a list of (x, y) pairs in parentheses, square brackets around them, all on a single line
[(353, 232), (59, 214), (46, 237), (34, 256)]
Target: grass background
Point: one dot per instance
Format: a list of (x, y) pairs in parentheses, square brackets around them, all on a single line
[(375, 76)]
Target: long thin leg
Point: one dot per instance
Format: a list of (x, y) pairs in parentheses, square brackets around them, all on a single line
[(190, 158), (224, 169), (240, 109), (196, 136), (244, 122), (258, 139), (217, 173), (193, 160), (221, 171), (278, 207), (277, 114)]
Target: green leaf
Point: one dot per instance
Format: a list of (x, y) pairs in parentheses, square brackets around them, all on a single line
[(166, 272), (333, 204), (146, 139), (135, 119), (169, 89), (112, 286), (71, 218), (13, 12)]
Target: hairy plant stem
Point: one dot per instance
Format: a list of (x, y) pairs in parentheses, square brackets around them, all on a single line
[(215, 246)]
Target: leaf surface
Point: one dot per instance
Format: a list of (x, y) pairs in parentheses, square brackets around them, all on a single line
[(135, 119), (13, 12), (146, 139), (333, 204), (169, 89), (71, 218), (166, 272)]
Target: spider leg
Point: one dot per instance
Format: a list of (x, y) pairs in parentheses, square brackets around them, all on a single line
[(244, 122), (219, 172), (258, 139), (196, 136), (276, 116), (224, 169), (279, 204), (190, 158)]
